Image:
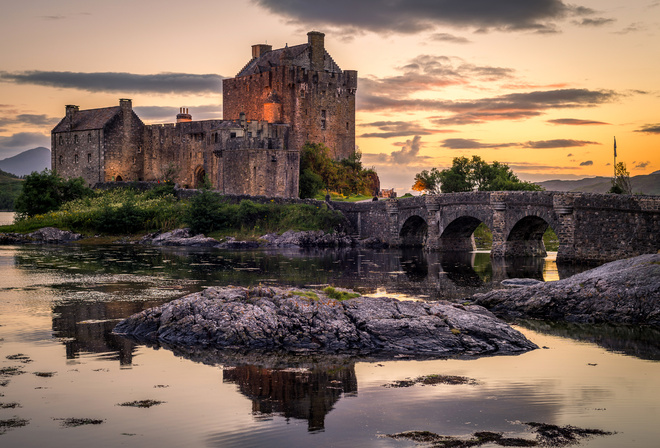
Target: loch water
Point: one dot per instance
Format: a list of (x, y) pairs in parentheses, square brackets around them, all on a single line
[(59, 359)]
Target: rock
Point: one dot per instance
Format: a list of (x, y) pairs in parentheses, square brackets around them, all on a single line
[(232, 243), (179, 237), (373, 243), (310, 238), (519, 282), (296, 321), (622, 292), (45, 235)]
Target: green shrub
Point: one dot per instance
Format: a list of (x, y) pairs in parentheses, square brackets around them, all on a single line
[(47, 191), (339, 295)]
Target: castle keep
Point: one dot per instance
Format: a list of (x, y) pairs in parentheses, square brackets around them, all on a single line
[(280, 100)]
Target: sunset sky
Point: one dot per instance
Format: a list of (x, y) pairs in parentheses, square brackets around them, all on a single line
[(542, 85)]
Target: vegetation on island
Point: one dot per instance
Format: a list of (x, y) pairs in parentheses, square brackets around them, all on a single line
[(49, 201), (10, 188), (320, 174), (621, 182), (469, 175)]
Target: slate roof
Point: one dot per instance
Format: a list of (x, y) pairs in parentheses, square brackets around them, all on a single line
[(89, 119), (298, 54)]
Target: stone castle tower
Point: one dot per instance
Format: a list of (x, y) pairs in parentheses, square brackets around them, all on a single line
[(302, 86)]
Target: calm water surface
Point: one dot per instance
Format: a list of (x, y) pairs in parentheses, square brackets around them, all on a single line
[(59, 304)]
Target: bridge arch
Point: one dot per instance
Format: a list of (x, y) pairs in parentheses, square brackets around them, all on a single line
[(525, 238), (457, 235), (200, 174), (413, 232)]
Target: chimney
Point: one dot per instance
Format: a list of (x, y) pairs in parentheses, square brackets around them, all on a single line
[(70, 114), (242, 121), (259, 49), (316, 50), (183, 116)]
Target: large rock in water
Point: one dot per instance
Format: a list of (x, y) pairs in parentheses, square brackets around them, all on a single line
[(622, 292), (309, 321)]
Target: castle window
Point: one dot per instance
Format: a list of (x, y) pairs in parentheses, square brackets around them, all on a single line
[(61, 139), (75, 158), (232, 135), (89, 158), (61, 159), (75, 139), (89, 138), (249, 134), (347, 125)]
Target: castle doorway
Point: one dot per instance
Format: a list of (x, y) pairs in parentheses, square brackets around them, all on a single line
[(200, 175), (119, 179)]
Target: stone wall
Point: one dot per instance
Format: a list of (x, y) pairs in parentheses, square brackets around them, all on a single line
[(123, 155), (78, 154)]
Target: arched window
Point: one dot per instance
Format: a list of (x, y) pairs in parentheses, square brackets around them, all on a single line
[(75, 158)]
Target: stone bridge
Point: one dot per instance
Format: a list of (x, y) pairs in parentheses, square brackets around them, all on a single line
[(590, 227)]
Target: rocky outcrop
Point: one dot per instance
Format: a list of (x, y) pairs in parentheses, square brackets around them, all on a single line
[(622, 292), (309, 321), (46, 235), (310, 238), (179, 237)]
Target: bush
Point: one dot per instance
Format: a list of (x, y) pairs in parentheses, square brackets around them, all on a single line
[(47, 191)]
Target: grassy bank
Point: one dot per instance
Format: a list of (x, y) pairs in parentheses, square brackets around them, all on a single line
[(125, 211)]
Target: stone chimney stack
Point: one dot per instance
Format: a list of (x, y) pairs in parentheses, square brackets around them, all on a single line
[(242, 120), (126, 109), (70, 114), (183, 116), (259, 49), (316, 50)]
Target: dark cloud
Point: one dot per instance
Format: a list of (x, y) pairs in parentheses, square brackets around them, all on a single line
[(468, 143), (411, 16), (29, 119), (650, 129), (570, 154), (168, 114), (10, 146), (397, 129), (175, 83), (481, 117), (596, 21), (53, 17), (643, 164), (576, 122), (558, 143), (445, 37), (587, 163)]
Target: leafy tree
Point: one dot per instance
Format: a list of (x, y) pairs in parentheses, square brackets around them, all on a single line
[(318, 172), (427, 181), (621, 181), (47, 191), (469, 175)]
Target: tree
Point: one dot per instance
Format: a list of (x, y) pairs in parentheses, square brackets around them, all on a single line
[(469, 175), (318, 172), (621, 181), (47, 191)]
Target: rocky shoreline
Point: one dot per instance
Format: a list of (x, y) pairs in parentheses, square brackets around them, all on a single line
[(308, 321), (620, 292), (184, 238)]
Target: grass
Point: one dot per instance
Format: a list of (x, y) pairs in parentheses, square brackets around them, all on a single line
[(127, 212), (339, 295), (307, 294), (10, 188), (141, 403), (338, 197)]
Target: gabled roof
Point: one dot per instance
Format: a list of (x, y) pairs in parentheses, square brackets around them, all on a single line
[(84, 120), (298, 56)]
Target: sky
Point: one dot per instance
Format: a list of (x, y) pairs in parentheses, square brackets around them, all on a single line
[(541, 85)]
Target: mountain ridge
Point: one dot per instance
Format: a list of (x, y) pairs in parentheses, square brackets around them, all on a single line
[(35, 159)]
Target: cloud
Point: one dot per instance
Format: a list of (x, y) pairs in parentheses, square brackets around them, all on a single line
[(558, 143), (397, 129), (12, 145), (29, 119), (468, 143), (409, 152), (597, 21), (632, 28), (412, 16), (643, 164), (587, 163), (650, 129), (570, 154), (576, 122), (445, 37), (164, 83), (53, 17)]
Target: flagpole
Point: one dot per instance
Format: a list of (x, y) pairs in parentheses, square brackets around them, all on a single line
[(615, 157)]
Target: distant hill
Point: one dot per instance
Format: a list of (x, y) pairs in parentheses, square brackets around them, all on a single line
[(36, 159), (645, 183)]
